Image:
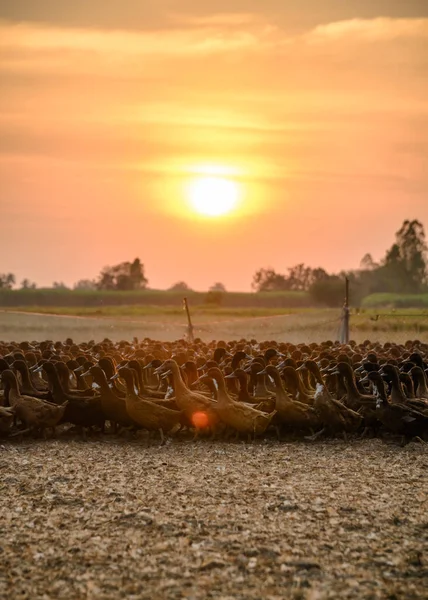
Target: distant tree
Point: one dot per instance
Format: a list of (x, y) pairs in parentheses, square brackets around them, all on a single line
[(125, 276), (7, 281), (180, 286), (217, 287), (301, 278), (85, 284), (59, 285), (26, 284), (268, 280)]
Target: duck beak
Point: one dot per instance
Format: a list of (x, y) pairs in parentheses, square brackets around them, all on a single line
[(163, 374)]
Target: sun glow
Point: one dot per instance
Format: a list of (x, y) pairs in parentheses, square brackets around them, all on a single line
[(213, 196)]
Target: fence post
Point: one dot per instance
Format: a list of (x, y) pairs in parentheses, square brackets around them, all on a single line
[(345, 317), (189, 321)]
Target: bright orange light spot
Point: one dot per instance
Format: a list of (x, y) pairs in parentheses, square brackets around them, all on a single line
[(200, 420)]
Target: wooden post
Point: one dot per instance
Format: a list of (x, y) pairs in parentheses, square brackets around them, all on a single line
[(189, 320), (345, 333)]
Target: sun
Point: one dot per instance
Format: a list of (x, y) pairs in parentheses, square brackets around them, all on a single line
[(213, 196)]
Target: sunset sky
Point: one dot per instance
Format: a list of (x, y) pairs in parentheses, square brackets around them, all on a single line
[(112, 112)]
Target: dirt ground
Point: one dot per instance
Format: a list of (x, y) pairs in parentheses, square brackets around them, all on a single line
[(111, 518)]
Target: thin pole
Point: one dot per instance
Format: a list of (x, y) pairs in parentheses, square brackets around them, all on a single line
[(189, 320), (346, 314)]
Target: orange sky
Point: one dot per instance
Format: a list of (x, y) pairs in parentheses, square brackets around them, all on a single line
[(318, 110)]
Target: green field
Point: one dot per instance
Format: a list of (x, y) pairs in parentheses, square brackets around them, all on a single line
[(395, 301), (98, 299)]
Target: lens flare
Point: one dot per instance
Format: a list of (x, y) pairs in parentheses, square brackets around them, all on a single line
[(200, 420)]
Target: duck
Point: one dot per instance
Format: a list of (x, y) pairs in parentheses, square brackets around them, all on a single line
[(263, 404), (407, 385), (107, 365), (335, 416), (420, 380), (7, 416), (291, 413), (149, 415), (353, 398), (84, 412), (200, 411), (64, 375), (293, 384), (27, 387), (113, 406), (241, 417), (257, 380), (392, 375), (34, 413), (397, 417)]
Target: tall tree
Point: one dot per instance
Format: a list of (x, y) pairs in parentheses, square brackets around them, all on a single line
[(406, 260), (7, 281)]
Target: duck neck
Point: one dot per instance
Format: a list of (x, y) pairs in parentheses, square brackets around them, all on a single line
[(349, 381), (243, 394), (179, 385), (279, 386), (422, 388), (25, 376), (12, 390), (55, 384), (222, 395)]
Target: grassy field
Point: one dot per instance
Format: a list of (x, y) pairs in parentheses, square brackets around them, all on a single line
[(397, 301), (169, 323), (99, 299)]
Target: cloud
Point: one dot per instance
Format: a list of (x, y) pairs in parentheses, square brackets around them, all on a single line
[(186, 41), (370, 30), (214, 20)]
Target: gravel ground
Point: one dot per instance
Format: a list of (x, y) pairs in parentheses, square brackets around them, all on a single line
[(111, 518)]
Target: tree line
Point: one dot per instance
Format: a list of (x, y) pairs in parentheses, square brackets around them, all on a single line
[(403, 269)]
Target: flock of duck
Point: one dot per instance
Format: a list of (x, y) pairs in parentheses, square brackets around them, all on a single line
[(239, 388)]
